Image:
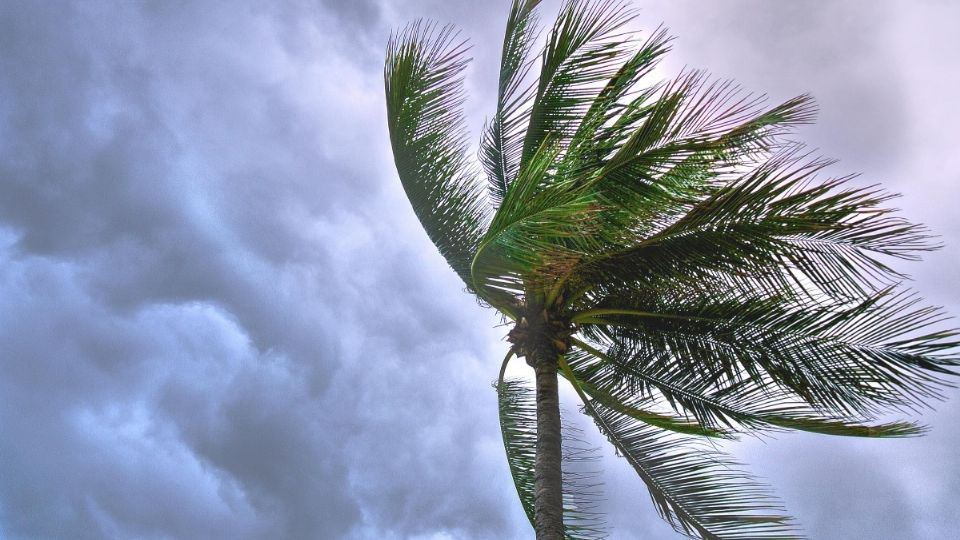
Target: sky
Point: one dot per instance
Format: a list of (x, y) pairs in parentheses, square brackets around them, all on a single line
[(219, 317)]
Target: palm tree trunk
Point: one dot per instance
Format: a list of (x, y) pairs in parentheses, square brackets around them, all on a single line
[(548, 494)]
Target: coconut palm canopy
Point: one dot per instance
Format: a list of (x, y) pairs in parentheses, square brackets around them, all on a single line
[(690, 270)]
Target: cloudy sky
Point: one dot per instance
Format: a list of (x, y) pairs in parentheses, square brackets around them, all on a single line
[(219, 317)]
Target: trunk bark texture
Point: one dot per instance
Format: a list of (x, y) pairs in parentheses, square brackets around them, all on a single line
[(548, 500)]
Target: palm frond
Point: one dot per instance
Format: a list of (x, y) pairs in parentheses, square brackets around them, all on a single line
[(747, 406), (776, 226), (594, 136), (857, 360), (694, 115), (424, 89), (651, 169), (535, 232), (698, 490), (584, 49), (608, 392), (518, 425), (502, 142)]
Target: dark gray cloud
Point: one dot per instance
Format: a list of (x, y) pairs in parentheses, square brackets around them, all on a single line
[(219, 319), (214, 324)]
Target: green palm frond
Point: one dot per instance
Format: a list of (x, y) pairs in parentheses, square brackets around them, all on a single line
[(694, 115), (502, 141), (540, 228), (584, 49), (518, 426), (865, 358), (776, 226), (698, 490), (609, 392), (424, 92), (594, 136), (742, 407)]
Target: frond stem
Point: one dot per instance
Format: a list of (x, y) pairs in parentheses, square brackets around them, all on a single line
[(590, 316), (503, 366)]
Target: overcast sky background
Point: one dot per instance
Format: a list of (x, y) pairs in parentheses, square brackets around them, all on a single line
[(219, 317)]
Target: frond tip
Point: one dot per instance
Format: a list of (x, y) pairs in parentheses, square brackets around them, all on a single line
[(503, 138)]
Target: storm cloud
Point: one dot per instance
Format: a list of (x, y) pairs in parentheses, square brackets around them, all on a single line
[(220, 319)]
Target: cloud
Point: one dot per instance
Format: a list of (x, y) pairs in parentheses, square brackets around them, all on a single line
[(213, 321)]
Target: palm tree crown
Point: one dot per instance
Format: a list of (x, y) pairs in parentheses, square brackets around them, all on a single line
[(671, 253)]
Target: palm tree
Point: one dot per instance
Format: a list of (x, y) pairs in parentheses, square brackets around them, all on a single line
[(671, 253)]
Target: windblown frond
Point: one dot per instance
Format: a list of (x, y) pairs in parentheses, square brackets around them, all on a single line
[(534, 234), (584, 50), (695, 488), (424, 95), (518, 424), (745, 406), (853, 361), (502, 141), (610, 393), (595, 137), (775, 225), (694, 115)]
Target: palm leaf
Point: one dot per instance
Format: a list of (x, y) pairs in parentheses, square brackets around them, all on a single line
[(609, 393), (539, 230), (518, 425), (695, 488), (865, 358), (772, 225), (594, 137), (693, 115), (584, 49), (744, 407), (650, 170), (502, 141), (424, 94)]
